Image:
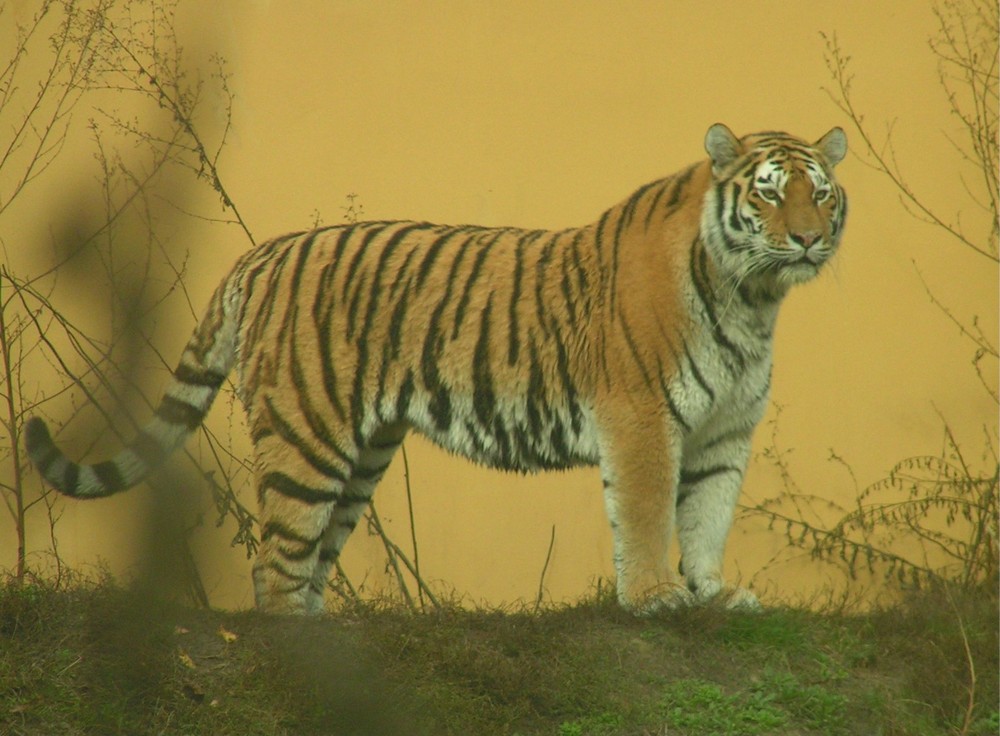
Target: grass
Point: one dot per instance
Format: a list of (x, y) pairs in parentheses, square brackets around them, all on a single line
[(94, 658)]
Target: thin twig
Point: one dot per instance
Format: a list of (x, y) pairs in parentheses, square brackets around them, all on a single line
[(413, 527), (391, 551), (545, 567)]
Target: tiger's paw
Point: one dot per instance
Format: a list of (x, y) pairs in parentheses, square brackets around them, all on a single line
[(666, 597), (712, 591), (739, 599)]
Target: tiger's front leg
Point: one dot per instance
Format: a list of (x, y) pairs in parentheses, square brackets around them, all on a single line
[(639, 468), (710, 484)]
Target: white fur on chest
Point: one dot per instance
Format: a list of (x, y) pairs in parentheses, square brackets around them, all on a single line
[(722, 383)]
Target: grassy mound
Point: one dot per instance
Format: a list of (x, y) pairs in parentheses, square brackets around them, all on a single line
[(98, 659)]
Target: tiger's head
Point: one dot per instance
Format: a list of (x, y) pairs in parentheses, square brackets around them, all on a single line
[(774, 213)]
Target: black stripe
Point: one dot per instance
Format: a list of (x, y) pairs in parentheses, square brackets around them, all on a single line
[(175, 411), (502, 438), (734, 220), (599, 235), (289, 488), (674, 409), (679, 185), (260, 433), (513, 335), (388, 444), (41, 448), (541, 265), (305, 248), (70, 479), (569, 388), (484, 398), (321, 432), (615, 250), (330, 554), (326, 293), (434, 339), (439, 405), (720, 203), (355, 304), (375, 289), (397, 319), (475, 436), (634, 349), (323, 320), (691, 477), (352, 499), (403, 271), (557, 440), (699, 277), (45, 457), (289, 435), (434, 250), (357, 397), (535, 400), (698, 377), (199, 376), (109, 475), (633, 201), (477, 267), (581, 271), (250, 274), (278, 529), (405, 395), (742, 433), (670, 183), (361, 251), (567, 292), (304, 580), (380, 385), (265, 310), (366, 474)]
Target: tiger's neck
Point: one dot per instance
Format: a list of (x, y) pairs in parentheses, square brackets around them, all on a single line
[(734, 311)]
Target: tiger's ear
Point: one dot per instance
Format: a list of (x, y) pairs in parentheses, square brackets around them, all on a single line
[(833, 146), (723, 147)]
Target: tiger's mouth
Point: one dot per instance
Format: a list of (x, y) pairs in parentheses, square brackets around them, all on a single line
[(798, 269), (811, 258)]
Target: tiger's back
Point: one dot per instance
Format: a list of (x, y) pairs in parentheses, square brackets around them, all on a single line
[(640, 342)]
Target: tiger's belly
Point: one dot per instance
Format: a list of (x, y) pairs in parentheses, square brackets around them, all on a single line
[(516, 435)]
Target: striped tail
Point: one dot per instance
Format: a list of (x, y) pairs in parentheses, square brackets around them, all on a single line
[(207, 360)]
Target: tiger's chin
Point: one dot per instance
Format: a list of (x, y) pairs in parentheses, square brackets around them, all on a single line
[(799, 272), (774, 284)]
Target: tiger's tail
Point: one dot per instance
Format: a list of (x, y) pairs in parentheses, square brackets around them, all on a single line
[(203, 367)]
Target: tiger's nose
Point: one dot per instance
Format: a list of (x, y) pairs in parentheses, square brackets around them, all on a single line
[(805, 238)]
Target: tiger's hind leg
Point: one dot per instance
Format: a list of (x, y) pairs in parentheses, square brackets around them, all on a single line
[(299, 481), (371, 465)]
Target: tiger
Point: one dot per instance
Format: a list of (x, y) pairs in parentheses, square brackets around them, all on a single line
[(640, 343)]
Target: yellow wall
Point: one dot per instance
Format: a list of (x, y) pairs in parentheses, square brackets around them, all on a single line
[(542, 114)]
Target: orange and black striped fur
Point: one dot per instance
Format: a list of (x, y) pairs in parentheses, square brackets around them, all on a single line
[(641, 342)]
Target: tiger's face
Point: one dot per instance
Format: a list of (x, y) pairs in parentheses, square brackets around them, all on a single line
[(774, 214)]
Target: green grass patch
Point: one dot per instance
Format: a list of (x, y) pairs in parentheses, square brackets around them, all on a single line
[(93, 658)]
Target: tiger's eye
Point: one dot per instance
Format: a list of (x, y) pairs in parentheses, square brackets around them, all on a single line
[(768, 194)]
